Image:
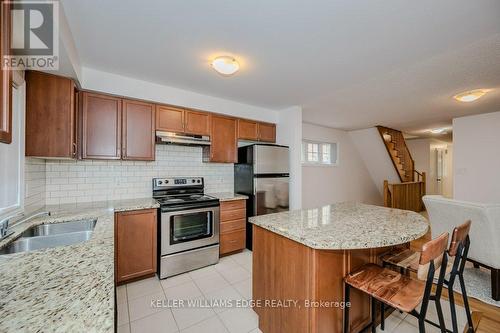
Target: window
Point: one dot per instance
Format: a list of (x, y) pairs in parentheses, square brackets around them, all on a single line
[(12, 160), (319, 153)]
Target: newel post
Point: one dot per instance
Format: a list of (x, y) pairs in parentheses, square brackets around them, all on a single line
[(386, 193)]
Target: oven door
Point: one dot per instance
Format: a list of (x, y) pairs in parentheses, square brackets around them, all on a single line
[(189, 229)]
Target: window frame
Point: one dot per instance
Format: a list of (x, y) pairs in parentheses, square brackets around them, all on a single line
[(320, 144)]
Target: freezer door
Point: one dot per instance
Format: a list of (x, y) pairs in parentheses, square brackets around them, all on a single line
[(270, 159), (270, 195)]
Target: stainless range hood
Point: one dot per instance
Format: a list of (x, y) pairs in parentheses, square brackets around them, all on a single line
[(182, 139)]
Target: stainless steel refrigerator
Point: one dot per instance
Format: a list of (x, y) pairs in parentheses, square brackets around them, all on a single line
[(262, 173)]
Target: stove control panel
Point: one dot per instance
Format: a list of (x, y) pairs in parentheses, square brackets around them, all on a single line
[(177, 182)]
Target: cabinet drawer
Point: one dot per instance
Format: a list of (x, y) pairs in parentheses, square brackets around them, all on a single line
[(232, 225), (232, 241), (229, 215), (230, 205)]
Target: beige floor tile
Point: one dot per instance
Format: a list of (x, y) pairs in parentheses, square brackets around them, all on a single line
[(236, 274), (239, 320), (184, 291), (211, 283), (188, 316), (175, 280), (121, 294), (161, 322), (211, 325), (143, 287), (142, 306), (124, 328), (244, 288), (122, 314), (223, 299), (225, 263)]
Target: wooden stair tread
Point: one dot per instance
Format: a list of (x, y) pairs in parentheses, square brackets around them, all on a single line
[(388, 286)]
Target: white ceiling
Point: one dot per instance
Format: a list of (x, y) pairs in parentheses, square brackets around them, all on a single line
[(349, 64)]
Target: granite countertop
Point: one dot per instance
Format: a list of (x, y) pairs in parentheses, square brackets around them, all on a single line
[(346, 225), (66, 288), (228, 196)]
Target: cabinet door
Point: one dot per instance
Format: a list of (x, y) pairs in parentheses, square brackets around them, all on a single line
[(169, 119), (6, 78), (50, 116), (138, 131), (224, 142), (248, 130), (197, 122), (135, 244), (267, 132), (101, 126)]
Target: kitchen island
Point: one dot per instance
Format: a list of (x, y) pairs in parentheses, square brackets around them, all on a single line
[(300, 258)]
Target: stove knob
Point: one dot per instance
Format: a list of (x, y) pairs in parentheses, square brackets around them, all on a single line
[(192, 181), (160, 182), (199, 181), (166, 181)]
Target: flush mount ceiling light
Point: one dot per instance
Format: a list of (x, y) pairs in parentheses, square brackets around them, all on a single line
[(471, 95), (438, 130), (225, 65)]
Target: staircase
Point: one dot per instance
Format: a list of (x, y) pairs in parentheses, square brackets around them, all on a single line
[(407, 194)]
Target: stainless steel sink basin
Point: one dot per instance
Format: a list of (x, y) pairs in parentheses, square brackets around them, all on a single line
[(59, 228), (51, 235)]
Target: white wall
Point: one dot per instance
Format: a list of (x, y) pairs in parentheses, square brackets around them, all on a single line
[(374, 154), (476, 158), (70, 181), (126, 86), (420, 150), (348, 181), (289, 133)]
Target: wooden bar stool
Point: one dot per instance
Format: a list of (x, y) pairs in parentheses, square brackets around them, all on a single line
[(407, 261), (402, 292)]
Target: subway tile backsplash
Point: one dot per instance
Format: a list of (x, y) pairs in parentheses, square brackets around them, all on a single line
[(34, 180), (70, 181)]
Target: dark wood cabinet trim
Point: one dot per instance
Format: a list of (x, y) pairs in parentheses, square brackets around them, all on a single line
[(6, 79)]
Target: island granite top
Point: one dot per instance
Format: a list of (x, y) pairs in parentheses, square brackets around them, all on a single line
[(66, 288), (346, 225)]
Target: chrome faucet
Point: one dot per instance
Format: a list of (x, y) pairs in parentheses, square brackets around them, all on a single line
[(4, 224)]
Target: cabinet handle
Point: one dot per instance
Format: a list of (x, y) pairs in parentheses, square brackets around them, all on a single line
[(73, 149)]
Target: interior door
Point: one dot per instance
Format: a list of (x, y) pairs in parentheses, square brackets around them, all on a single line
[(271, 195)]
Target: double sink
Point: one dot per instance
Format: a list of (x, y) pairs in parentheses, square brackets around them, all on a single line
[(51, 235)]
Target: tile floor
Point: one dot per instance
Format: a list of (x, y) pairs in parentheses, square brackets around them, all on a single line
[(230, 279)]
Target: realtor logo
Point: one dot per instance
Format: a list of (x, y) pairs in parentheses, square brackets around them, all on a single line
[(35, 35)]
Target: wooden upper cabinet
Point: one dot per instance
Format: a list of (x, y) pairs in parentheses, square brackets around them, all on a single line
[(50, 116), (169, 119), (197, 122), (223, 135), (135, 244), (101, 126), (248, 130), (267, 132), (6, 79), (138, 130)]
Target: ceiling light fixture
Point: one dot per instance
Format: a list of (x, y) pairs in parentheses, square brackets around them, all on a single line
[(438, 130), (471, 95), (225, 65)]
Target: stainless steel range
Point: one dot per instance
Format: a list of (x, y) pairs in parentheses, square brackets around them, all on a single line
[(188, 229)]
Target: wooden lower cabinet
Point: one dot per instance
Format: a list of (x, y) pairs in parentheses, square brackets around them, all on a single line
[(287, 270), (135, 244), (232, 226)]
